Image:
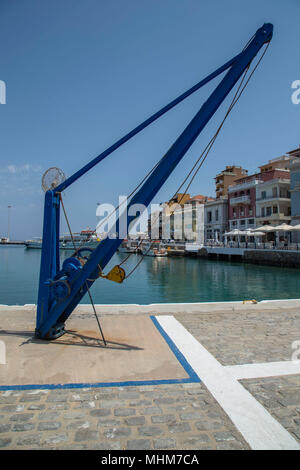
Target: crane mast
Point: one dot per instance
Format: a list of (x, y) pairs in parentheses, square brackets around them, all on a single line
[(61, 288)]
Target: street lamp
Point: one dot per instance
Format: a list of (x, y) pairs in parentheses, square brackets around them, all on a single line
[(8, 221)]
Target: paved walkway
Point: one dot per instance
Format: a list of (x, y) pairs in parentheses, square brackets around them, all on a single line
[(177, 416)]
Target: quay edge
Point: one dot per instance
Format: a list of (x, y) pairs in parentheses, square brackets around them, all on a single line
[(167, 308)]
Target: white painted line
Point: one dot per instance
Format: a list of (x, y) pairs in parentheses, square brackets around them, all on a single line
[(259, 428), (267, 369)]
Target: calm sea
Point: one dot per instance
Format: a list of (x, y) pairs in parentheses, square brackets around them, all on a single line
[(156, 280)]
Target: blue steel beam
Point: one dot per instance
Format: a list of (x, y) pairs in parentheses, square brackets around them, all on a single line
[(58, 312), (143, 125)]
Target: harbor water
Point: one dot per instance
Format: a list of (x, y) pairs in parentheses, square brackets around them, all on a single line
[(156, 280)]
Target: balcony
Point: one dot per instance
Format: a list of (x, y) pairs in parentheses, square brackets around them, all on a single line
[(240, 200), (280, 198), (279, 216)]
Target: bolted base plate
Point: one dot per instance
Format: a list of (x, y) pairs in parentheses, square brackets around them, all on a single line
[(55, 332)]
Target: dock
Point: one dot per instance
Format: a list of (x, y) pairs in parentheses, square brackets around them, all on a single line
[(17, 242), (222, 375)]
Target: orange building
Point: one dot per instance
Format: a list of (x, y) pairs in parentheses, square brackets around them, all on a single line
[(228, 177)]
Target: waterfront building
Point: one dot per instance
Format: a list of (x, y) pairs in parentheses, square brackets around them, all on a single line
[(295, 191), (262, 198), (194, 226), (180, 221), (242, 203), (215, 219), (273, 199), (226, 178), (279, 163)]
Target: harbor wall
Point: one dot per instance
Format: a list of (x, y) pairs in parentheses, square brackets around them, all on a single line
[(273, 258), (281, 258)]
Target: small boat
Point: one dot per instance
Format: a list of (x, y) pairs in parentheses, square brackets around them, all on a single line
[(35, 242), (153, 248), (129, 246)]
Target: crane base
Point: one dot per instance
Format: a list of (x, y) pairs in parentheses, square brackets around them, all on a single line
[(55, 332)]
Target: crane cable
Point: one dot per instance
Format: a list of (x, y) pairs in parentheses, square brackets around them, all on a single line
[(86, 283)]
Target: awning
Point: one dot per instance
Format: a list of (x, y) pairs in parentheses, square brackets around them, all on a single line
[(282, 228), (264, 228)]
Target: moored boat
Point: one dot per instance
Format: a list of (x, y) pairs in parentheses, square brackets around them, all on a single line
[(152, 248)]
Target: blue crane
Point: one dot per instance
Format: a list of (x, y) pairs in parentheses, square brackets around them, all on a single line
[(62, 287)]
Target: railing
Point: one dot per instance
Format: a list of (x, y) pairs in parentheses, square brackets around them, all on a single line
[(240, 200), (254, 245)]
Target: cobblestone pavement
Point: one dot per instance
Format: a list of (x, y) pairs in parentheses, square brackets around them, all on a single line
[(163, 416), (281, 397), (243, 338), (150, 417)]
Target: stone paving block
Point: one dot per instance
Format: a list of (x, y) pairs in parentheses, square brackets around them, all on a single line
[(117, 432), (100, 412), (139, 444), (124, 412), (163, 419), (135, 420), (164, 443), (48, 426), (4, 442), (149, 431), (86, 435)]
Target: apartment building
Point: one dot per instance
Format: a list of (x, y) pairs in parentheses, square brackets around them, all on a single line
[(242, 203), (180, 221), (226, 178), (295, 191), (273, 198), (216, 219)]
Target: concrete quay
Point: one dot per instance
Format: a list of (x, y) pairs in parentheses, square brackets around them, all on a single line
[(222, 375)]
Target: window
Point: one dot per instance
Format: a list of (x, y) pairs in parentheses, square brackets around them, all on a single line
[(275, 210), (217, 214), (269, 211), (262, 212), (251, 221), (274, 192), (263, 194), (242, 222), (209, 217)]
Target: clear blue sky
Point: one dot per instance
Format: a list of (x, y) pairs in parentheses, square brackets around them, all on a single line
[(80, 74)]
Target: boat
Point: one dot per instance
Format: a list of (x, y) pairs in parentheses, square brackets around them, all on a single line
[(85, 238), (129, 246), (35, 242), (152, 248)]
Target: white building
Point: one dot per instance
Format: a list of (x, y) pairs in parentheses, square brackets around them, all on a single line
[(215, 219), (273, 199)]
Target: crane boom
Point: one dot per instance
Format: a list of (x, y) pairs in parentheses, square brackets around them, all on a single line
[(61, 289)]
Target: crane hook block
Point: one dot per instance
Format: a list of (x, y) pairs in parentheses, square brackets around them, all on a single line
[(117, 274)]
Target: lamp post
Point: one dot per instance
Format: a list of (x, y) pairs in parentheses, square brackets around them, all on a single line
[(8, 221)]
